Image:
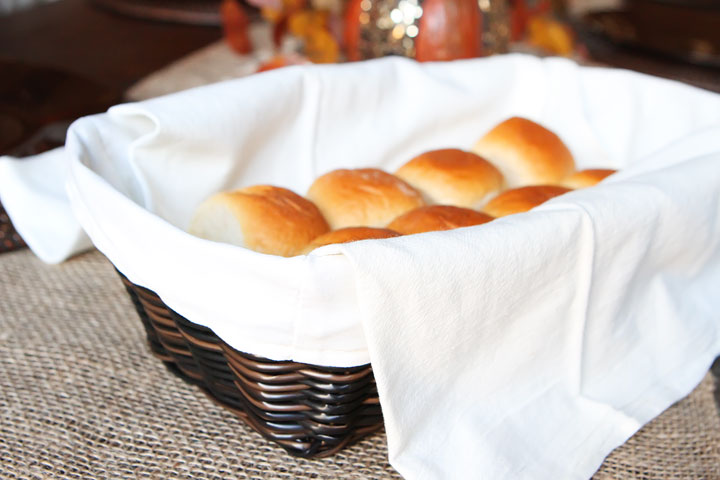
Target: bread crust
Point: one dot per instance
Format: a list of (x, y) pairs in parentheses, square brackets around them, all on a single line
[(451, 176), (364, 197), (588, 178), (437, 217), (518, 200), (526, 153), (350, 234), (264, 218)]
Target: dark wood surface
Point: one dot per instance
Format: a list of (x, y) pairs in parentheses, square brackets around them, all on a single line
[(651, 63), (69, 58), (668, 38), (113, 50)]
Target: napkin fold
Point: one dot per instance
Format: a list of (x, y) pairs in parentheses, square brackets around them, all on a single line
[(32, 190), (533, 349)]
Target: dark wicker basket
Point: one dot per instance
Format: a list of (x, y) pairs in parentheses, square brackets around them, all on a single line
[(309, 410), (9, 238)]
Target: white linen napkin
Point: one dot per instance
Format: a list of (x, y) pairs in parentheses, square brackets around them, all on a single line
[(524, 348), (533, 349), (32, 191)]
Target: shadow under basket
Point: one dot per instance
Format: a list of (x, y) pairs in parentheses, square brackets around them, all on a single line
[(309, 410)]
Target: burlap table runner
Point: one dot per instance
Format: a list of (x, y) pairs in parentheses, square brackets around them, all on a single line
[(82, 397)]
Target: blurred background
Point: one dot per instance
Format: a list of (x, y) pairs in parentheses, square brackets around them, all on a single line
[(61, 59)]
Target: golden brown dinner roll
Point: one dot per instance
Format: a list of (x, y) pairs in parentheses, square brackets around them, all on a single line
[(365, 197), (587, 178), (437, 217), (452, 177), (526, 153), (522, 199), (350, 234), (263, 218)]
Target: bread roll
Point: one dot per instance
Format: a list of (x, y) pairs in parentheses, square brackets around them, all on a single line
[(587, 178), (526, 153), (452, 177), (350, 234), (522, 199), (365, 197), (437, 217), (263, 218)]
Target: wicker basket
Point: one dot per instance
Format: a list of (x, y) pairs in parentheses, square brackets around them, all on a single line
[(309, 410), (9, 238)]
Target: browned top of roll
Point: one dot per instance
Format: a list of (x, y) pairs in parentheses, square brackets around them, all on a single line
[(263, 218), (522, 199), (452, 177), (587, 178), (365, 197), (350, 234), (526, 153), (437, 217)]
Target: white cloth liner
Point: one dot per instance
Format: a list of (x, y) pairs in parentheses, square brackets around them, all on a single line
[(528, 347), (32, 191)]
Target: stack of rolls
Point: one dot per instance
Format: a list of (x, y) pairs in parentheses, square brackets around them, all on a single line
[(515, 167)]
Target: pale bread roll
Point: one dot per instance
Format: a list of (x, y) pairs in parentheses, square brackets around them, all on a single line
[(587, 178), (452, 177), (526, 153), (437, 217), (350, 234), (365, 197), (518, 200), (263, 218)]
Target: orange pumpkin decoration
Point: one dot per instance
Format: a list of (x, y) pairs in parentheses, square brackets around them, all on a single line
[(520, 13), (449, 30), (351, 31), (444, 30), (235, 26)]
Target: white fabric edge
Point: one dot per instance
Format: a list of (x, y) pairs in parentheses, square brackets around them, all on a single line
[(41, 214), (103, 242)]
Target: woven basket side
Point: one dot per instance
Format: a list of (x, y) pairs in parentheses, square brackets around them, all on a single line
[(152, 337), (309, 410), (9, 238)]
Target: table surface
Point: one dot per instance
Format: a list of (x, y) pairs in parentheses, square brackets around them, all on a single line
[(85, 399)]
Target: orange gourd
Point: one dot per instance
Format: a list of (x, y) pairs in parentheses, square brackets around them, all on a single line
[(235, 26), (351, 32), (449, 30)]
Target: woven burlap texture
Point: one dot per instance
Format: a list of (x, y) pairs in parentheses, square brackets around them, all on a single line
[(81, 397)]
